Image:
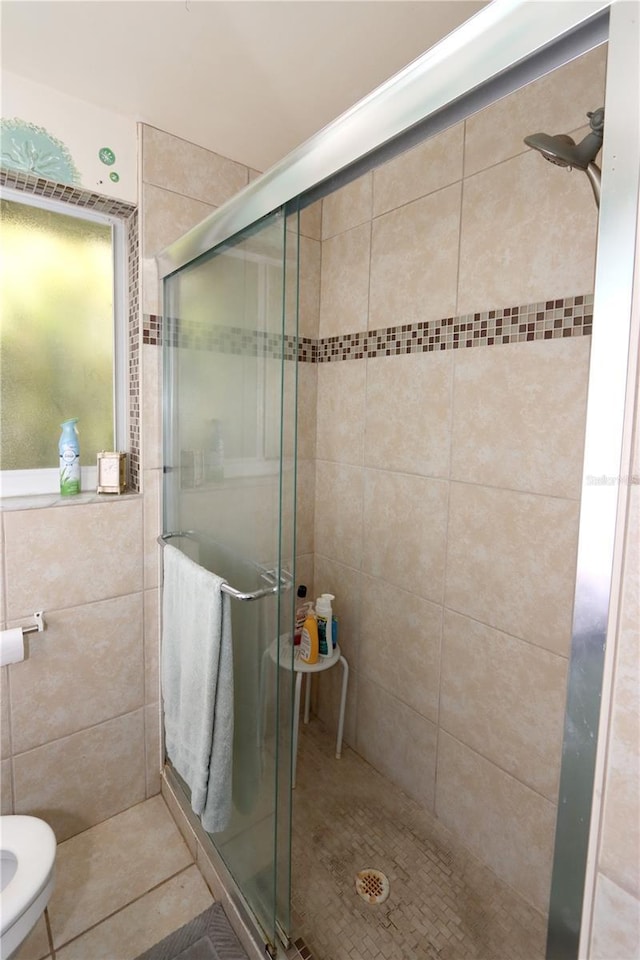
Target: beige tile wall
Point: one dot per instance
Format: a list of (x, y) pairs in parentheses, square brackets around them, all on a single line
[(447, 484), (73, 737)]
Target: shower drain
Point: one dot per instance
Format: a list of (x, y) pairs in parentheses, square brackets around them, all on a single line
[(372, 886)]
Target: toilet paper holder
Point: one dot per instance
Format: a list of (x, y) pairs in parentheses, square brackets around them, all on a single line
[(39, 624)]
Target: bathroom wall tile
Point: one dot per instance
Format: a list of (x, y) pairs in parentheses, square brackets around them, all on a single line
[(345, 584), (150, 284), (6, 788), (341, 411), (85, 552), (347, 207), (5, 738), (344, 287), (405, 522), (511, 562), (305, 505), (85, 778), (504, 698), (311, 221), (85, 668), (408, 413), (620, 844), (152, 481), (152, 601), (153, 752), (3, 613), (519, 245), (555, 103), (507, 825), (519, 416), (307, 409), (143, 923), (338, 513), (139, 849), (304, 571), (151, 406), (167, 216), (616, 923), (397, 741), (400, 645), (414, 261), (184, 167), (429, 166), (309, 288)]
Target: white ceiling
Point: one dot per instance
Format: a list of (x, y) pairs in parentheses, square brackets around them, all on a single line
[(250, 79)]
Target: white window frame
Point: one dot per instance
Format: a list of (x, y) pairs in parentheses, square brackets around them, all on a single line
[(21, 483)]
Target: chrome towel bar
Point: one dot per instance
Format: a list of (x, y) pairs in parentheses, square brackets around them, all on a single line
[(227, 588)]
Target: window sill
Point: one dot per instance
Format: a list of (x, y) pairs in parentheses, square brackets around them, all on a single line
[(41, 500)]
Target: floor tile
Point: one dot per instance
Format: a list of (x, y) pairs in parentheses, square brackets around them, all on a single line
[(112, 864), (443, 902), (143, 923)]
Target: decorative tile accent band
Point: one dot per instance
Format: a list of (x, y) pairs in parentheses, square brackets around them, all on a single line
[(546, 320), (40, 187)]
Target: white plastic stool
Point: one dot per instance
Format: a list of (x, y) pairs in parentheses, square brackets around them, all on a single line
[(300, 668)]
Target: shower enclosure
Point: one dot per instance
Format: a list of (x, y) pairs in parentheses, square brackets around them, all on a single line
[(229, 502), (231, 349)]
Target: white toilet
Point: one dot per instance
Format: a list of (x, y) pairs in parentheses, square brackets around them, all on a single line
[(27, 856)]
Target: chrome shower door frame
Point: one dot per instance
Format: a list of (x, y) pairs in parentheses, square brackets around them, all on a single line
[(506, 45)]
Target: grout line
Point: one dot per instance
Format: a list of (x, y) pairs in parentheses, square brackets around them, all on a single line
[(141, 896)]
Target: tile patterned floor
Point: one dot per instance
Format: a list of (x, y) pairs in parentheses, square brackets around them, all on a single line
[(120, 887), (443, 905)]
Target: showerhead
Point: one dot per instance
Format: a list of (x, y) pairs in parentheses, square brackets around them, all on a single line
[(563, 151)]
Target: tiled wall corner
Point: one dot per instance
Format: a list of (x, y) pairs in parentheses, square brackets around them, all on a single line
[(447, 478)]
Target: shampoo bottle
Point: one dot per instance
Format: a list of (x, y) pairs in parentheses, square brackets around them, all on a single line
[(69, 451), (309, 640), (324, 614)]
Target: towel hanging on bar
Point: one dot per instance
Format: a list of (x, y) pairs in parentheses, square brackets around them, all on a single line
[(197, 685)]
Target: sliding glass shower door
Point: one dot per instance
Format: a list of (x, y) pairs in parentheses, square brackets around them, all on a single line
[(230, 382)]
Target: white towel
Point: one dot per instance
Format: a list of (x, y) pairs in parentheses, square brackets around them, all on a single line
[(197, 684)]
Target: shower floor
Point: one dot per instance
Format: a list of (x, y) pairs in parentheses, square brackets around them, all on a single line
[(443, 905)]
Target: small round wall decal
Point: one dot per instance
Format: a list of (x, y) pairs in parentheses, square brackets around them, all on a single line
[(107, 156), (114, 177)]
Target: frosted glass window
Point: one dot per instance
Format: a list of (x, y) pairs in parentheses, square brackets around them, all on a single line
[(57, 335)]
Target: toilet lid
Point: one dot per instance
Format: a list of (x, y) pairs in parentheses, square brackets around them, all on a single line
[(32, 842)]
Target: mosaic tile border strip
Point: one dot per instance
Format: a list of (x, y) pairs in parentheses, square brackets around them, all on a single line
[(135, 439), (232, 340), (40, 187), (544, 320)]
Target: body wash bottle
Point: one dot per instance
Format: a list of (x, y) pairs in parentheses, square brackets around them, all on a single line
[(324, 614)]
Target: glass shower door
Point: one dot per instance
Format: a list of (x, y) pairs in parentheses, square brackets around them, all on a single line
[(229, 485)]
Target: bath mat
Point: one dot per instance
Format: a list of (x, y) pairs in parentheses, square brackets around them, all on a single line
[(207, 937)]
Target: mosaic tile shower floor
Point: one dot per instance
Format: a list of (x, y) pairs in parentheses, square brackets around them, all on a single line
[(443, 905)]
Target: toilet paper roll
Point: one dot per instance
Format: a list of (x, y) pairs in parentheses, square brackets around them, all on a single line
[(11, 646)]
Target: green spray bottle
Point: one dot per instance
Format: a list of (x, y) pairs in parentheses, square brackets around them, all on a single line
[(69, 450)]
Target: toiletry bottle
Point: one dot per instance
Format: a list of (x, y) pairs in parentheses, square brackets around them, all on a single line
[(309, 640), (324, 614), (69, 451), (303, 608)]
